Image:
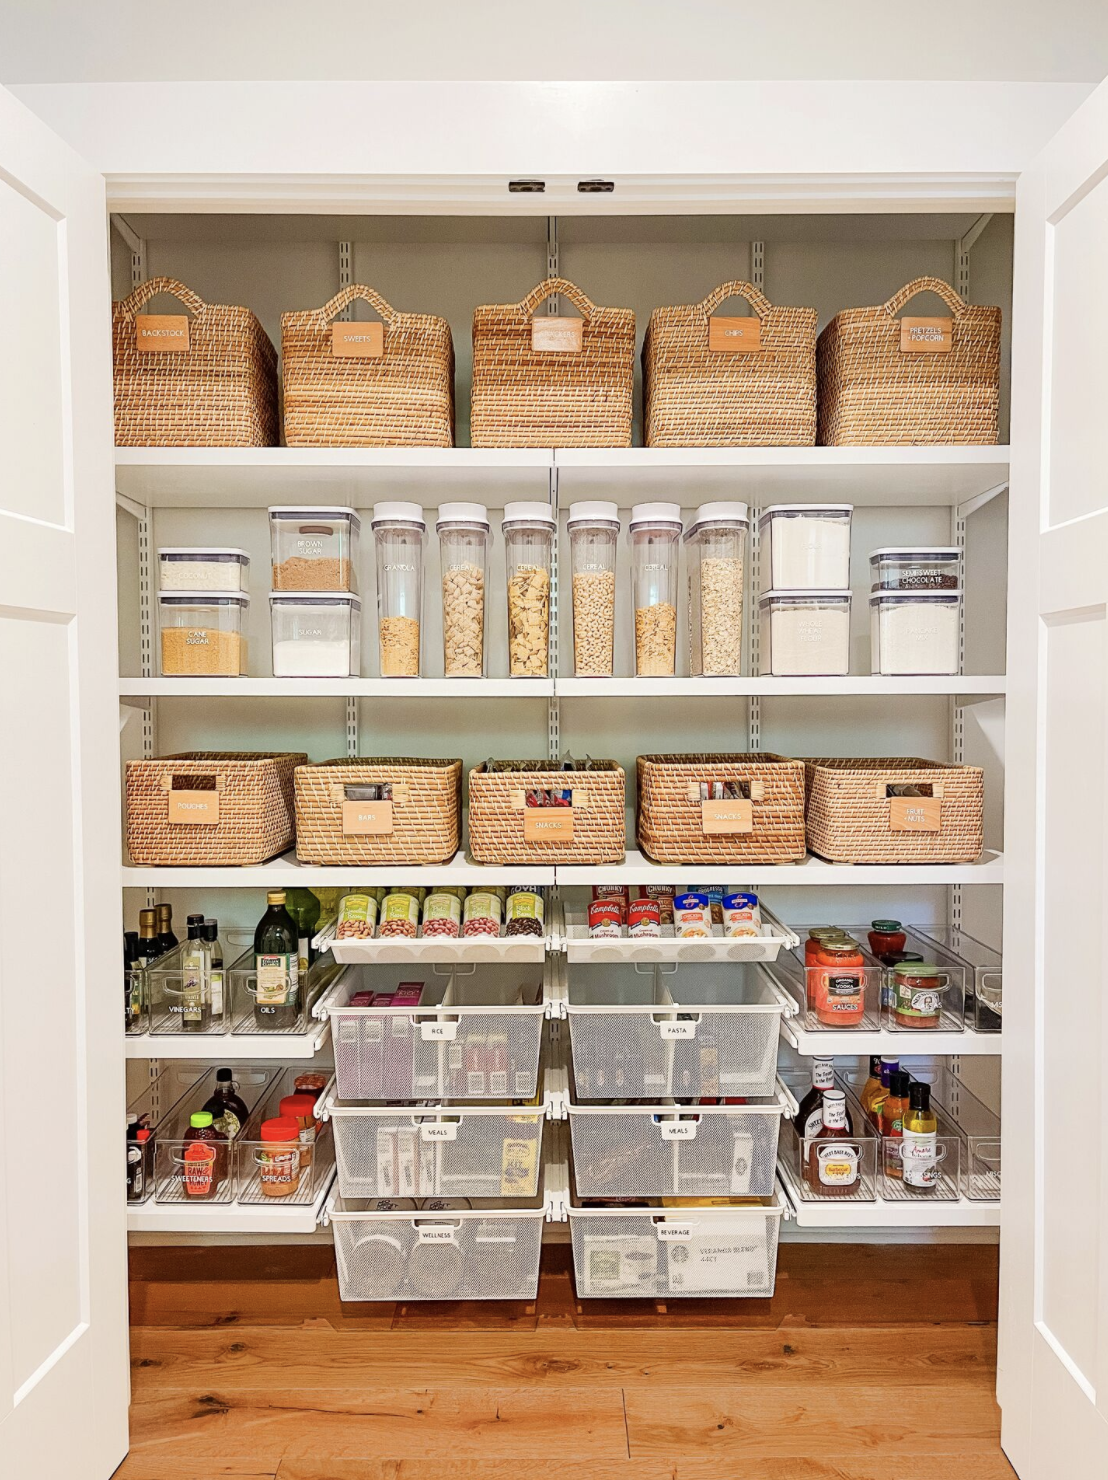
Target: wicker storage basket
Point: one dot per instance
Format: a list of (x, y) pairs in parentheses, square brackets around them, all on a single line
[(402, 397), (697, 396), (499, 818), (220, 392), (421, 823), (672, 818), (852, 819), (524, 397), (873, 391), (241, 803)]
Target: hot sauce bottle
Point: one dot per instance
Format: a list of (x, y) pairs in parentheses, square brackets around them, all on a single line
[(889, 1067), (892, 1123)]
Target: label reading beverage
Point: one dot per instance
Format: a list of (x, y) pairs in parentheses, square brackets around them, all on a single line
[(548, 824), (926, 336), (735, 336), (560, 336), (735, 816), (278, 978), (358, 341), (915, 814), (161, 333), (194, 806), (837, 1165), (366, 817), (674, 1232)]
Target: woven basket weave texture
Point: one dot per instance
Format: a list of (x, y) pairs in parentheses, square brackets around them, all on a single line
[(847, 811), (256, 819), (427, 811), (496, 812), (670, 823)]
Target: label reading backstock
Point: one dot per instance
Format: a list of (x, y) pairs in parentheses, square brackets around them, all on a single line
[(162, 333)]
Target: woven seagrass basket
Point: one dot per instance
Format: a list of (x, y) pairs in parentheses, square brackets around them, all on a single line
[(420, 823), (242, 802), (851, 818), (499, 817), (672, 816), (871, 390), (697, 396), (523, 397), (402, 397), (219, 392)]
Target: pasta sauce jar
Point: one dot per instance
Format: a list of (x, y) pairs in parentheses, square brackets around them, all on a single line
[(918, 988), (840, 984)]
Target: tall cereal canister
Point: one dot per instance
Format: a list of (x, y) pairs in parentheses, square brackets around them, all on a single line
[(398, 530), (463, 531), (655, 544), (593, 533), (716, 543), (528, 550)]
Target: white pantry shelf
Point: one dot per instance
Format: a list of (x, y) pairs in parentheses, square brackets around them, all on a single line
[(862, 685), (813, 871), (274, 1216), (342, 688), (862, 1041), (962, 1212), (285, 871)]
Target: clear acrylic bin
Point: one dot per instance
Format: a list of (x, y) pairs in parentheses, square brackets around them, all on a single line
[(171, 1175), (201, 634), (863, 1145), (136, 1001), (242, 989), (977, 1126), (943, 1178), (799, 982), (316, 634), (175, 996), (398, 531), (475, 1035), (984, 972), (314, 549), (641, 1031), (303, 1172), (161, 1104), (659, 1252)]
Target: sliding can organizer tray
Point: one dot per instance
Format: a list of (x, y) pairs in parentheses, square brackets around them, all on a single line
[(378, 810), (896, 810), (211, 807), (586, 825), (759, 820)]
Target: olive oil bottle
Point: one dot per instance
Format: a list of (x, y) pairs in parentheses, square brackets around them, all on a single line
[(277, 965)]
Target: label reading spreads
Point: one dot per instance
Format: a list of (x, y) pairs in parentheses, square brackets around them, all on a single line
[(358, 341), (734, 336), (562, 336), (915, 814), (161, 333), (734, 816), (194, 806), (366, 817), (548, 824), (926, 336)]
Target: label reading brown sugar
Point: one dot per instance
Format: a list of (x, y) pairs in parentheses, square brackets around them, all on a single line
[(550, 333), (734, 816), (915, 814), (735, 336), (161, 333), (548, 825), (366, 817), (926, 336), (358, 341), (194, 806)]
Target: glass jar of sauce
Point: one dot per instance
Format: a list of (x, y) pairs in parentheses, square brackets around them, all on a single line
[(840, 984), (886, 936), (918, 988)]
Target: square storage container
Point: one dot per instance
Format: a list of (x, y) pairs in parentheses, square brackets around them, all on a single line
[(805, 633), (758, 818), (172, 1178), (915, 632), (190, 568), (314, 549), (807, 546), (378, 809), (287, 1173), (316, 634), (524, 812), (201, 634), (915, 568), (894, 810)]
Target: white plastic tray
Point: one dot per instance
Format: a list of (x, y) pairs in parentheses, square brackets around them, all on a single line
[(580, 946)]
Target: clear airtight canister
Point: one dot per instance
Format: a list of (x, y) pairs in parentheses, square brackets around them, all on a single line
[(655, 541), (593, 532), (716, 547), (528, 553), (398, 530), (463, 557), (809, 546)]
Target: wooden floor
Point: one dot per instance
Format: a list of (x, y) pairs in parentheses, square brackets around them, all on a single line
[(867, 1363)]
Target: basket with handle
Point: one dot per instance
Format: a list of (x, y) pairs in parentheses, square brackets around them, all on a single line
[(883, 379), (588, 828), (207, 379), (760, 821), (419, 821), (857, 810), (720, 382), (377, 384), (577, 394)]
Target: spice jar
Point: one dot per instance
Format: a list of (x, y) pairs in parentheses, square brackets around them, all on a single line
[(593, 531), (716, 545), (398, 531), (918, 988), (655, 531), (278, 1157), (314, 549), (202, 634), (463, 531), (528, 553), (840, 985)]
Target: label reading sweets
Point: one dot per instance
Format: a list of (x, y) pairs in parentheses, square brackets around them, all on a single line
[(548, 824), (735, 336), (915, 814), (926, 336), (550, 334), (736, 816), (366, 817), (358, 341), (161, 333), (194, 806)]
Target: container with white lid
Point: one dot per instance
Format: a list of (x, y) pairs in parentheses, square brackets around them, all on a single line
[(593, 528), (189, 568), (716, 544), (805, 634), (528, 553), (915, 632), (809, 546), (914, 568), (314, 549), (463, 531), (201, 633), (316, 634), (398, 529), (655, 532)]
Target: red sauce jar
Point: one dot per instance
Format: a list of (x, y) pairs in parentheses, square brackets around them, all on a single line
[(886, 936), (840, 984), (918, 988)]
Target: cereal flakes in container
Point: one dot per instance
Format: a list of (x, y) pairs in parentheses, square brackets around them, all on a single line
[(716, 547), (189, 568), (463, 531), (398, 530), (655, 534), (528, 552), (593, 529)]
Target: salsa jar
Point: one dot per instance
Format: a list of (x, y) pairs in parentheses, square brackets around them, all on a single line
[(918, 988), (840, 984), (886, 936)]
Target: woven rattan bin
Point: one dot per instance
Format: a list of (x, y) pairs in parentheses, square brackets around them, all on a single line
[(764, 825), (851, 818), (419, 821), (211, 807), (503, 829), (388, 384), (760, 394), (912, 380), (212, 383), (565, 397)]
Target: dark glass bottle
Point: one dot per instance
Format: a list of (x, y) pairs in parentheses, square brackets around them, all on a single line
[(148, 950), (132, 983), (228, 1111), (166, 939), (277, 964)]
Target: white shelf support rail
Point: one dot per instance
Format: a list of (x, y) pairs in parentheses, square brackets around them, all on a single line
[(346, 278), (754, 704)]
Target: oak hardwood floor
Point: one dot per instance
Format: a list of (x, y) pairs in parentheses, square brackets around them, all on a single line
[(867, 1362)]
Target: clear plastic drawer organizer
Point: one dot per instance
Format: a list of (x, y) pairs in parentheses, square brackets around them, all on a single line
[(581, 947), (984, 971), (641, 1031)]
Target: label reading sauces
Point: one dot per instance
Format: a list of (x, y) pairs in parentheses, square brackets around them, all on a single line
[(734, 336), (194, 806), (550, 334), (161, 333), (548, 824), (926, 336), (358, 341)]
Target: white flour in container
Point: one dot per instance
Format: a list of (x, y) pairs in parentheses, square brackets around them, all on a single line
[(916, 634), (313, 657), (808, 637), (809, 549)]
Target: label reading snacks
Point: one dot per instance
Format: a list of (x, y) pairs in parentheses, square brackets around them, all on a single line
[(735, 336), (161, 333), (366, 817), (915, 814), (548, 824), (194, 806), (733, 816), (926, 336), (561, 336), (358, 341)]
